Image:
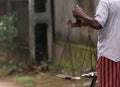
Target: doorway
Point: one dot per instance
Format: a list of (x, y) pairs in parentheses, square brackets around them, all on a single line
[(41, 43)]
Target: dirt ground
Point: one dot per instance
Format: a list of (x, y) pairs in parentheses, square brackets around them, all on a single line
[(9, 84), (47, 80)]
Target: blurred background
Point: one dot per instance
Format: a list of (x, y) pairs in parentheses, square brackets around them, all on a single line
[(35, 33)]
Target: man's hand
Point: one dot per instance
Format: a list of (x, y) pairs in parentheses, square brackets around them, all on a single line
[(77, 11), (75, 24), (86, 19)]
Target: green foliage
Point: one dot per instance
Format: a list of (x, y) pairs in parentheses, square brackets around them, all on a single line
[(15, 66), (8, 31), (27, 81)]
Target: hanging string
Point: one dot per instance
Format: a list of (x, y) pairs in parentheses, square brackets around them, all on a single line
[(68, 38), (90, 47), (67, 44)]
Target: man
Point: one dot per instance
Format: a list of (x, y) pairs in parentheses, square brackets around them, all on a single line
[(107, 22)]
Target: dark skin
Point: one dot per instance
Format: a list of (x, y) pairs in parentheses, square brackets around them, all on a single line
[(87, 20)]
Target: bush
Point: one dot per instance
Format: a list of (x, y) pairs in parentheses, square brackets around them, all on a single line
[(8, 31)]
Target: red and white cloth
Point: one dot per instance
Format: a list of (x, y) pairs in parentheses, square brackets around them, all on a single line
[(108, 73)]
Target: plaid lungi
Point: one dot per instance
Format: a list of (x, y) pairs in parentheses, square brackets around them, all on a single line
[(108, 73)]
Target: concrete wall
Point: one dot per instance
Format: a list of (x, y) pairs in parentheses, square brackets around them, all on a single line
[(40, 17)]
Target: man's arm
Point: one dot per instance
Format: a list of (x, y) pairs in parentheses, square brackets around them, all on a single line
[(76, 24), (87, 20)]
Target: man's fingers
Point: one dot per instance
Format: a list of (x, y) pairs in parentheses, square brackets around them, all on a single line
[(74, 13), (77, 6)]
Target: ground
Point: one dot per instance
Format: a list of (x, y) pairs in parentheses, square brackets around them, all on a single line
[(9, 84), (44, 80)]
